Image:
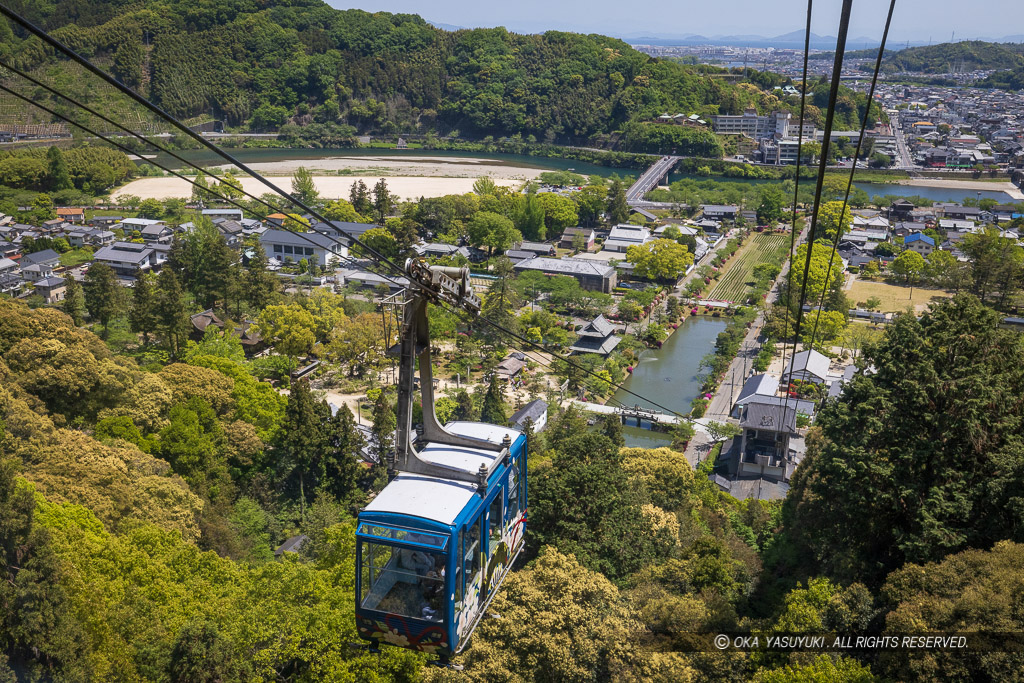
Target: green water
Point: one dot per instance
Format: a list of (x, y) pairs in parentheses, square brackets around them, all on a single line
[(669, 376)]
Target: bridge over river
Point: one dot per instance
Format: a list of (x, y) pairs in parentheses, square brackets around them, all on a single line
[(649, 180)]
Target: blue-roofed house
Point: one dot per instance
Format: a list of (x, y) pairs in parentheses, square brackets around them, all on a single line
[(919, 242)]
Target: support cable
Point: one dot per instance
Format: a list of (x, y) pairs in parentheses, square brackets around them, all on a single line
[(796, 197), (837, 67), (853, 168)]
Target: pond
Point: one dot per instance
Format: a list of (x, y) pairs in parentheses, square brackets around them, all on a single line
[(669, 375)]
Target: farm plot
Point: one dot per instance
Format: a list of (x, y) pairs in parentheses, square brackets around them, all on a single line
[(738, 278)]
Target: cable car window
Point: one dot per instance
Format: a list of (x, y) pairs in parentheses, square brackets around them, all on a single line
[(461, 547), (418, 537), (471, 549), (513, 492), (402, 581), (494, 521), (522, 478)]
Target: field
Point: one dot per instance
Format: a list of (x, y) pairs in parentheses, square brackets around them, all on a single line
[(738, 277), (894, 298)]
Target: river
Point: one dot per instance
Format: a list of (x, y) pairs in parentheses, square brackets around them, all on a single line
[(669, 375)]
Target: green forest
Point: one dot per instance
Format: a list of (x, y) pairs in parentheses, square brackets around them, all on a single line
[(966, 55), (141, 496), (311, 71)]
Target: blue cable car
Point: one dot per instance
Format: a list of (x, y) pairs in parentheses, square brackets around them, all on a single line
[(433, 547)]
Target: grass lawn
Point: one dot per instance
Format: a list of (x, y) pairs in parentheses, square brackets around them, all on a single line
[(895, 298), (738, 277), (75, 257)]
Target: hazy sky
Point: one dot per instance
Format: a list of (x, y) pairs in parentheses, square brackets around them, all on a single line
[(913, 20)]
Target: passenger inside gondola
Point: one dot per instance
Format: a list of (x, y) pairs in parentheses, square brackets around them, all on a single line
[(403, 581)]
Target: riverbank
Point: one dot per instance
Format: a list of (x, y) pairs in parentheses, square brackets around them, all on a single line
[(408, 188), (952, 184)]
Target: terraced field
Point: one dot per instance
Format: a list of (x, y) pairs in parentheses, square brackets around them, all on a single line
[(738, 277)]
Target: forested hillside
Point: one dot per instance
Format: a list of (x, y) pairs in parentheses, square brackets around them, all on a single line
[(261, 65), (966, 55)]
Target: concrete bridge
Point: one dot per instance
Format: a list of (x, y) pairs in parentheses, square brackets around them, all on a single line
[(650, 179), (635, 415)]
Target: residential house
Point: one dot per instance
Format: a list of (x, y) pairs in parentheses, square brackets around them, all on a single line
[(534, 413), (251, 341), (105, 221), (624, 236), (52, 289), (807, 366), (126, 258), (537, 248), (157, 232), (71, 215), (8, 266), (589, 238), (91, 237), (900, 210), (442, 250), (133, 224), (36, 271), (343, 230), (368, 280), (964, 213), (905, 228), (230, 229), (214, 214), (597, 336), (768, 446), (719, 212), (509, 369), (285, 245), (922, 244), (46, 257), (592, 275)]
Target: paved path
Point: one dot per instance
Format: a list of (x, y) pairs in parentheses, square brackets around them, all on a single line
[(738, 371)]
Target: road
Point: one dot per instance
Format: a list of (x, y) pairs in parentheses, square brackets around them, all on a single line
[(739, 369), (649, 180), (904, 162)]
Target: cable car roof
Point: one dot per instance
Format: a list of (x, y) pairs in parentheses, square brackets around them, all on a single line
[(468, 459), (441, 500), (416, 495)]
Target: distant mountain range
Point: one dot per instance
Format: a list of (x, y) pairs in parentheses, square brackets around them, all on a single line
[(791, 40)]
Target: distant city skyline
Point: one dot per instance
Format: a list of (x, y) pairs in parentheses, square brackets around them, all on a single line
[(737, 18)]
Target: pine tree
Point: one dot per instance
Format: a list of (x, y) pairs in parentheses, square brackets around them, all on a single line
[(383, 202), (172, 313), (303, 187), (359, 197), (384, 424), (258, 284), (102, 294), (142, 315), (618, 209), (74, 300), (57, 170), (302, 439), (493, 410), (611, 426), (344, 446)]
